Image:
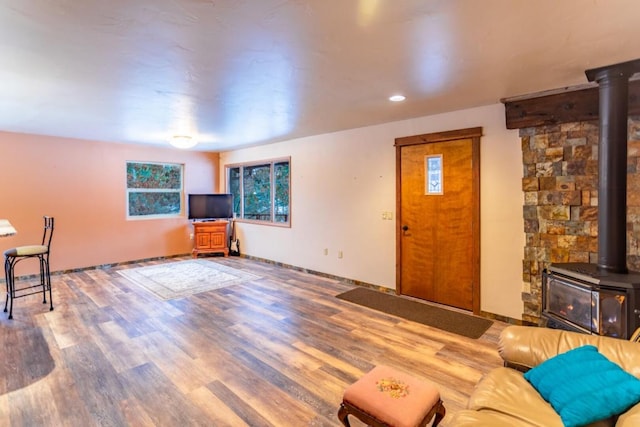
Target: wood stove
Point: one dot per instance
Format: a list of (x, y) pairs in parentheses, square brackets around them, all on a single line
[(583, 298), (602, 298)]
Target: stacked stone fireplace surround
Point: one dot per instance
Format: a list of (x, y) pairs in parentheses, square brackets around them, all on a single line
[(560, 185)]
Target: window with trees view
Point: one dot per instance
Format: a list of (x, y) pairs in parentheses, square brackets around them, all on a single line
[(154, 190), (261, 191)]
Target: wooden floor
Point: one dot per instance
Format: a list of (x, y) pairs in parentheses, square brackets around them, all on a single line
[(277, 351)]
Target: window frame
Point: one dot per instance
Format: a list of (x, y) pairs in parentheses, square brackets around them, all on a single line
[(271, 163), (179, 191)]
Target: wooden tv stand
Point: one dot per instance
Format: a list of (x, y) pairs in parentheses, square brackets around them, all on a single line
[(210, 237)]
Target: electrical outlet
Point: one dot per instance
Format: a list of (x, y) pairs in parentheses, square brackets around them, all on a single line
[(191, 236), (339, 254), (326, 251)]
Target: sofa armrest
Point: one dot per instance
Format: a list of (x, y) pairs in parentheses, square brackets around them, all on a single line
[(631, 418), (524, 347)]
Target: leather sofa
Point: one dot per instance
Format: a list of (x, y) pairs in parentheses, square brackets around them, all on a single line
[(503, 398)]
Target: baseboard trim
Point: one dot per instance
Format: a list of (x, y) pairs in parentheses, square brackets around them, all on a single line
[(320, 274), (484, 314), (506, 319), (96, 267)]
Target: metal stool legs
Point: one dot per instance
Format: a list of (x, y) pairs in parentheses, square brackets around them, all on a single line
[(14, 255), (7, 269), (45, 282)]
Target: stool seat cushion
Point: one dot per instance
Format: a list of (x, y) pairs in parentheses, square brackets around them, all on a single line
[(27, 250), (393, 397)]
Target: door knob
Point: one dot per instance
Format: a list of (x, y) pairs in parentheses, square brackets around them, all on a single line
[(405, 227)]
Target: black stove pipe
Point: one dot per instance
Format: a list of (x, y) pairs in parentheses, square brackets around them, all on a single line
[(613, 81)]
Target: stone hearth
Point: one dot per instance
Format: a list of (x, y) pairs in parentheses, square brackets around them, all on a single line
[(560, 185)]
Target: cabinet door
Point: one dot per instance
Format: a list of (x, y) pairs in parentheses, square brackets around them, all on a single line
[(218, 239), (203, 240)]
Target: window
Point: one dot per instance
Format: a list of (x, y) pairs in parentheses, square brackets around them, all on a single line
[(261, 191), (154, 190)]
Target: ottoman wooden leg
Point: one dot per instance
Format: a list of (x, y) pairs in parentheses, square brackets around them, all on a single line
[(440, 413), (343, 415)]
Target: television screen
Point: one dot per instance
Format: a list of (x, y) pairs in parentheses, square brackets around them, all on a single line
[(210, 206)]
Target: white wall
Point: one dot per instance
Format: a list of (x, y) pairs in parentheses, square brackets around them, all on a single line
[(342, 182)]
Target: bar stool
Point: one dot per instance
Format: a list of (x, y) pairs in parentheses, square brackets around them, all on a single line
[(14, 255)]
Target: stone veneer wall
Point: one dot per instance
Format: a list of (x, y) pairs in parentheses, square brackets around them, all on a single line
[(560, 187)]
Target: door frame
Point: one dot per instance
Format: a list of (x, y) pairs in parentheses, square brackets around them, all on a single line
[(469, 133)]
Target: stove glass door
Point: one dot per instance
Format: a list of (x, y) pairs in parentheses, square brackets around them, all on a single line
[(613, 309), (575, 303)]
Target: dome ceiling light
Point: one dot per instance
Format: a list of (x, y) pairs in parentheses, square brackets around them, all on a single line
[(183, 142)]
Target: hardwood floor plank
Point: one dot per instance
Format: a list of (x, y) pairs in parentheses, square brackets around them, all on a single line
[(342, 363), (135, 414), (290, 387), (25, 357), (118, 348), (33, 407), (97, 382), (162, 401), (5, 420), (72, 410), (68, 328), (280, 350), (240, 406), (275, 351), (217, 411), (177, 366)]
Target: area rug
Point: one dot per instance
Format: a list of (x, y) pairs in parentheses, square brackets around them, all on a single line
[(183, 278), (441, 318)]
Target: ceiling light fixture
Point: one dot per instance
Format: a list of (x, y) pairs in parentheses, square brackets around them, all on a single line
[(397, 98), (183, 141)]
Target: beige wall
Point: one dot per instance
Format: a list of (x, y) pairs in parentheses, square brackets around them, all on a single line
[(82, 184), (343, 181)]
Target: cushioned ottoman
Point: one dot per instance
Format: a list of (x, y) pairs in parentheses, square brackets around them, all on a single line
[(388, 397)]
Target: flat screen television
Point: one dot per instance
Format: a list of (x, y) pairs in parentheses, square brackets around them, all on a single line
[(210, 206)]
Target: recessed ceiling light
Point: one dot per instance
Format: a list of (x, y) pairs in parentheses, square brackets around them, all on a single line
[(397, 98)]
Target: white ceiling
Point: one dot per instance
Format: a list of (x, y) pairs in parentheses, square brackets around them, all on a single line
[(245, 72)]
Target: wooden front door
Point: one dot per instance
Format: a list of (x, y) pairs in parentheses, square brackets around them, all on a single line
[(438, 238)]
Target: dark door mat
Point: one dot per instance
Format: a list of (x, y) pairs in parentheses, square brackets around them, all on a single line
[(441, 318)]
